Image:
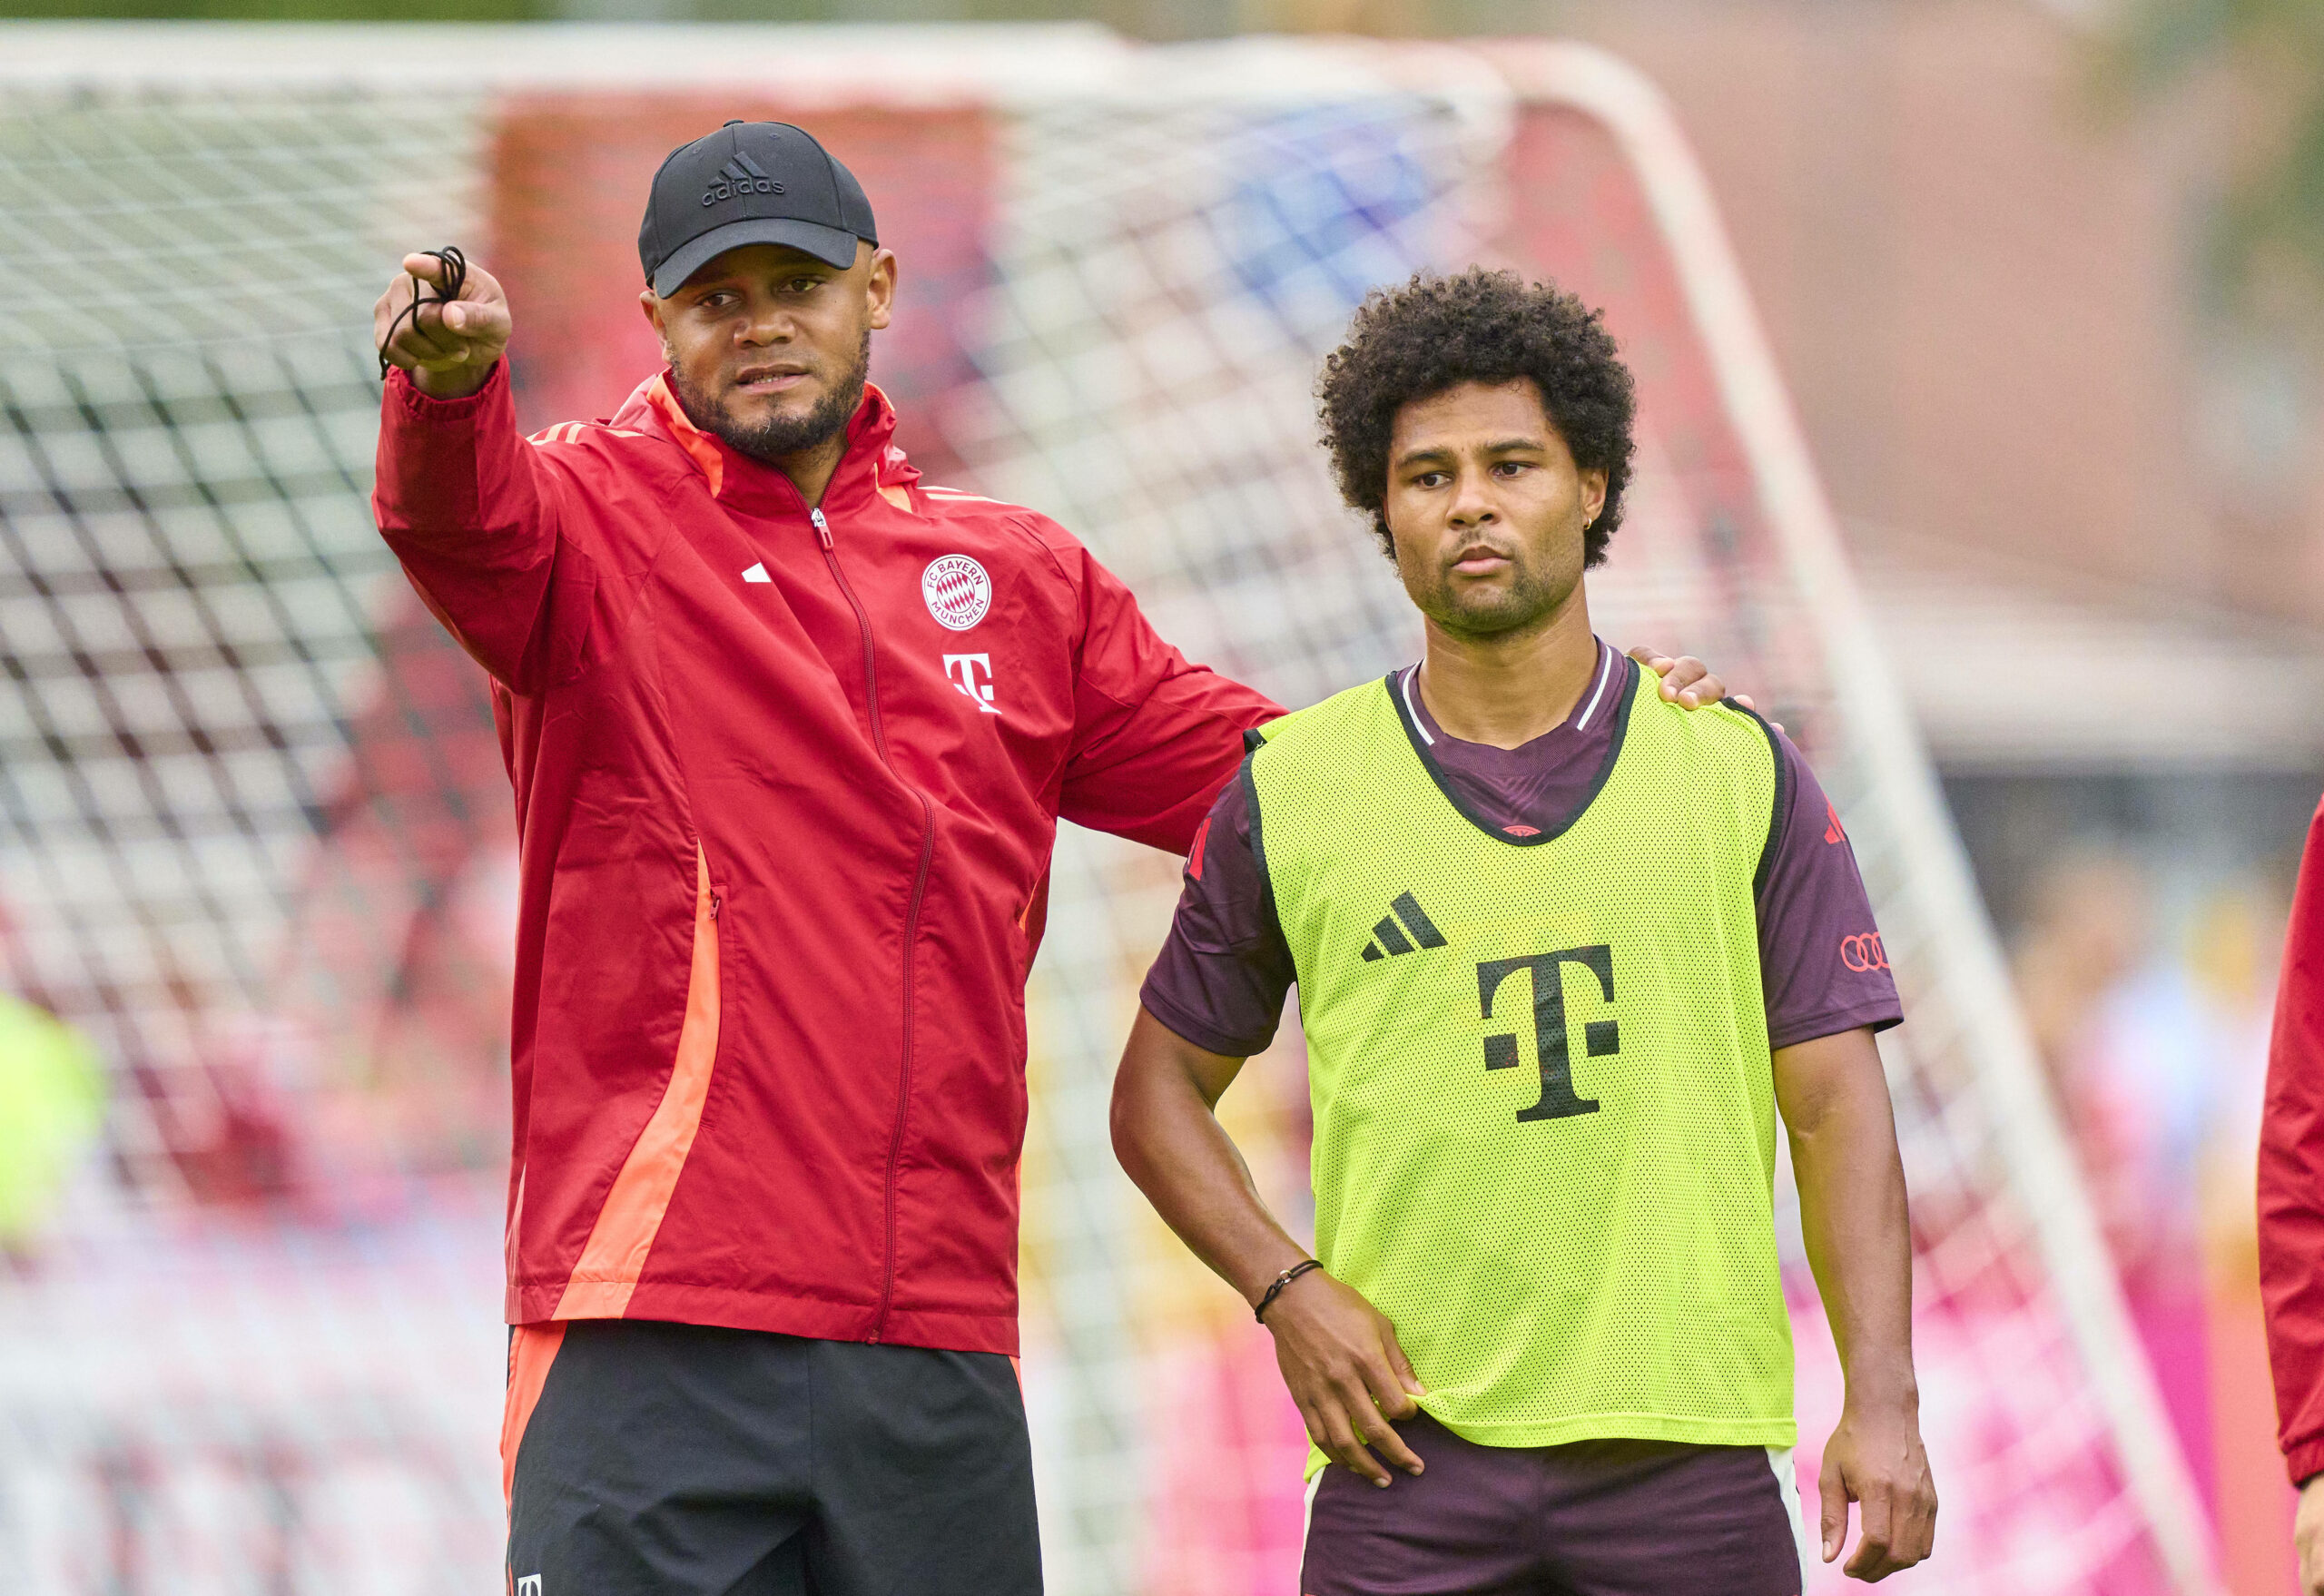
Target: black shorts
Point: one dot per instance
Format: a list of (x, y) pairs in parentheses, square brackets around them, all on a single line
[(1593, 1518), (648, 1459)]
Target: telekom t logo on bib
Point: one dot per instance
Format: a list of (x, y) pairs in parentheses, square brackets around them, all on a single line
[(1599, 1038)]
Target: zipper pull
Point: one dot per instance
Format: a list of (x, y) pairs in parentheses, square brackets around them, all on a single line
[(822, 527)]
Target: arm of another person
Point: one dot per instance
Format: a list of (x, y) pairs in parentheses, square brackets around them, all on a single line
[(1155, 735), (2292, 1207), (1835, 1109), (469, 507), (1338, 1353)]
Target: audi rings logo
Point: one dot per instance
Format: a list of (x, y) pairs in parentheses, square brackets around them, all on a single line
[(1863, 952), (957, 591)]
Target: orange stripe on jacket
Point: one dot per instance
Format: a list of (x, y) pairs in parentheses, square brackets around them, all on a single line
[(531, 1349), (603, 1281), (690, 437)]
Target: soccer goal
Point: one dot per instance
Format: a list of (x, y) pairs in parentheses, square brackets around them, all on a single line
[(255, 840)]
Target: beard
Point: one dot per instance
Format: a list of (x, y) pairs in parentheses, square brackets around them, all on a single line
[(780, 437), (1532, 595)]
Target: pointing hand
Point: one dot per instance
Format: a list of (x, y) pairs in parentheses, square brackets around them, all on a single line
[(450, 349)]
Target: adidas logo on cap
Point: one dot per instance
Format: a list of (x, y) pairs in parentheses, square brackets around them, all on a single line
[(740, 175), (1405, 916)]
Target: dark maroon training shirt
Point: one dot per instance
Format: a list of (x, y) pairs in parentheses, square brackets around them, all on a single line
[(1222, 977)]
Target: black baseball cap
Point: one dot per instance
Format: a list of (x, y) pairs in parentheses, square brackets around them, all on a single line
[(749, 183)]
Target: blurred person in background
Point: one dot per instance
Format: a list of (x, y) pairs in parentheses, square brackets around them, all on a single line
[(2292, 1207), (2154, 1046), (2088, 933), (2086, 929), (52, 1103), (790, 730), (2179, 1046)]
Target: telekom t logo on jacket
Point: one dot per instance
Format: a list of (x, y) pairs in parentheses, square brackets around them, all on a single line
[(972, 674)]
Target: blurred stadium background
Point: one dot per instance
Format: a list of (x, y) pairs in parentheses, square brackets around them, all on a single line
[(1981, 426)]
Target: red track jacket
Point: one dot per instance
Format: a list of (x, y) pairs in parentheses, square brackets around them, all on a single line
[(2291, 1176), (787, 782)]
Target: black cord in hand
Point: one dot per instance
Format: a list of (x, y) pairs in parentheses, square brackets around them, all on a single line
[(456, 275)]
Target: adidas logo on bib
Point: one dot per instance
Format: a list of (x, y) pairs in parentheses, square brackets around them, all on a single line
[(1404, 926)]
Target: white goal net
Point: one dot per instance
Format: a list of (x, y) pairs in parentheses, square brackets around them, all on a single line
[(255, 843)]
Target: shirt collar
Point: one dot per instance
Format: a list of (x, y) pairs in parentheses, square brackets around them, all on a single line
[(872, 466)]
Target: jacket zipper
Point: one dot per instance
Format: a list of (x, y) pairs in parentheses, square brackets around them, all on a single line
[(911, 911)]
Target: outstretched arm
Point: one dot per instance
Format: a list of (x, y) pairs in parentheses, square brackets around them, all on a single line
[(1836, 1107), (1338, 1353), (473, 513)]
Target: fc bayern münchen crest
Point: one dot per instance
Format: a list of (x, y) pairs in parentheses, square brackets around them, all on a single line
[(956, 590)]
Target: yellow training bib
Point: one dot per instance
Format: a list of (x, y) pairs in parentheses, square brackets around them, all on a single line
[(1543, 1099)]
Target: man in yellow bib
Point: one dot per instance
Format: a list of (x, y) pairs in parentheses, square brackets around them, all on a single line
[(1565, 952)]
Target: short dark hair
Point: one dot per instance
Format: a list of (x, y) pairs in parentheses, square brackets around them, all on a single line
[(1433, 333)]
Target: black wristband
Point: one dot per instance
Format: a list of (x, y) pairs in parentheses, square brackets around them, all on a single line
[(1276, 1290)]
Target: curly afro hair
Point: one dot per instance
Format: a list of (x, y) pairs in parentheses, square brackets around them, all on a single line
[(1437, 332)]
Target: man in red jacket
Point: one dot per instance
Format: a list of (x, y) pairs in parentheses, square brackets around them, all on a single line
[(790, 731), (2292, 1207)]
